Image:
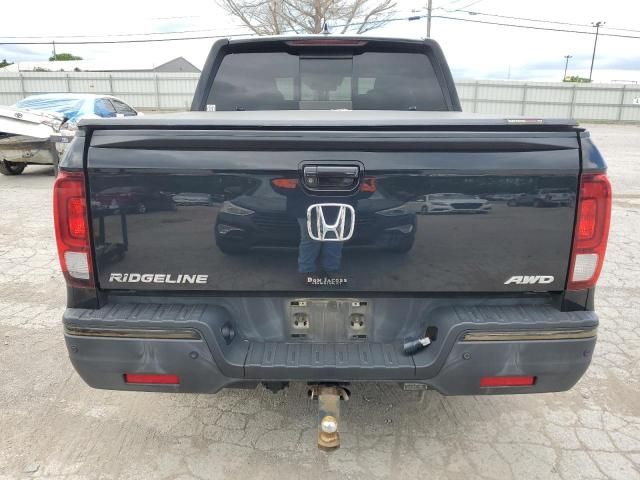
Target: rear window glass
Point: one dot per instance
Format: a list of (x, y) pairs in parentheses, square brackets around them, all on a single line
[(369, 81)]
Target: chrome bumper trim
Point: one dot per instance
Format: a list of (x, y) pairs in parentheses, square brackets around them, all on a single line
[(151, 333), (525, 335)]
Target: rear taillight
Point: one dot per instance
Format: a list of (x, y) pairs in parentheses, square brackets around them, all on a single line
[(72, 229), (592, 230)]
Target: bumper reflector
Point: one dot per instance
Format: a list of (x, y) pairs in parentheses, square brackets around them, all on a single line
[(508, 381), (152, 378)]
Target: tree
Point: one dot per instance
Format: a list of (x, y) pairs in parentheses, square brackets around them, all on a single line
[(4, 63), (63, 57), (576, 79), (273, 17)]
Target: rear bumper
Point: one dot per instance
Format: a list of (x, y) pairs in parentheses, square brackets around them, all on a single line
[(145, 338), (36, 152)]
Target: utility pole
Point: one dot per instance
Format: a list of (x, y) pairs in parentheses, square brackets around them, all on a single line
[(566, 64), (595, 43), (429, 8)]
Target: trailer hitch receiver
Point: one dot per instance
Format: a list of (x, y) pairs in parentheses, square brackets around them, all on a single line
[(329, 397)]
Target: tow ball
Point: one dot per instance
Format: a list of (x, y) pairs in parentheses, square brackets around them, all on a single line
[(329, 397)]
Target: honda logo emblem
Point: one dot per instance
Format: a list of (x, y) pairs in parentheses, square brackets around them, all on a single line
[(340, 230)]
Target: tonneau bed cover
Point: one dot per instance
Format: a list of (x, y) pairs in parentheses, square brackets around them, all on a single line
[(327, 119)]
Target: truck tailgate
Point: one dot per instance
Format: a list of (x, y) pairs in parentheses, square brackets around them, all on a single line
[(237, 210)]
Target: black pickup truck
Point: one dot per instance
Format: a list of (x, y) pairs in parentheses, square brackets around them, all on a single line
[(327, 214)]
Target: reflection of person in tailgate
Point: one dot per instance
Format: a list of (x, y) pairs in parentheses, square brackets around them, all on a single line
[(314, 255), (310, 250)]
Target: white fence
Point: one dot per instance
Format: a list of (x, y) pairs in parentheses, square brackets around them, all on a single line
[(613, 102), (146, 91), (173, 91)]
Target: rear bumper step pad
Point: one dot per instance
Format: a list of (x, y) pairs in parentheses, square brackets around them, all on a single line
[(327, 360)]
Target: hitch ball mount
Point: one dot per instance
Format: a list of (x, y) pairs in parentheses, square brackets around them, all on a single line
[(329, 397)]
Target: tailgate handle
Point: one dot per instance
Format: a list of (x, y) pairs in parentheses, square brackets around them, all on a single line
[(331, 177)]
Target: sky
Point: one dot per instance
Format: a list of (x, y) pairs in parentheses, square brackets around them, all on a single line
[(474, 50)]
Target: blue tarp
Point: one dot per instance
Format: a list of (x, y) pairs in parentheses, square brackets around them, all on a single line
[(71, 107)]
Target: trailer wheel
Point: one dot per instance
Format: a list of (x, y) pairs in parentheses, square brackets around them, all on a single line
[(11, 168)]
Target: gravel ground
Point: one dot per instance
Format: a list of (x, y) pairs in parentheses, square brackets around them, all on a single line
[(53, 426)]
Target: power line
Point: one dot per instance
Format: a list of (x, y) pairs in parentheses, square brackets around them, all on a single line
[(473, 12), (531, 27), (451, 3), (430, 10), (461, 9), (109, 35), (150, 40), (51, 38), (526, 19), (539, 20), (141, 40), (415, 17)]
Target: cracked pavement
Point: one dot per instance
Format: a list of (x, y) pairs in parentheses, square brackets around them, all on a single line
[(54, 426)]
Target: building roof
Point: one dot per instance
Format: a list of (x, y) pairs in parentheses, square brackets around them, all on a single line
[(178, 64)]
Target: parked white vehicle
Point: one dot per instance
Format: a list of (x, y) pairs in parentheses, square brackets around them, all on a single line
[(37, 129), (30, 138), (454, 203)]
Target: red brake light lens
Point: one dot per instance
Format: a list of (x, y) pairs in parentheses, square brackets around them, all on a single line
[(592, 231), (326, 42), (508, 381), (76, 208), (72, 229), (587, 223), (288, 183), (152, 378)]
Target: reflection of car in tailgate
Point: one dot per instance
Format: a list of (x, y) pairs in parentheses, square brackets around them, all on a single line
[(193, 198), (268, 217), (544, 197), (454, 203), (133, 199), (334, 277)]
